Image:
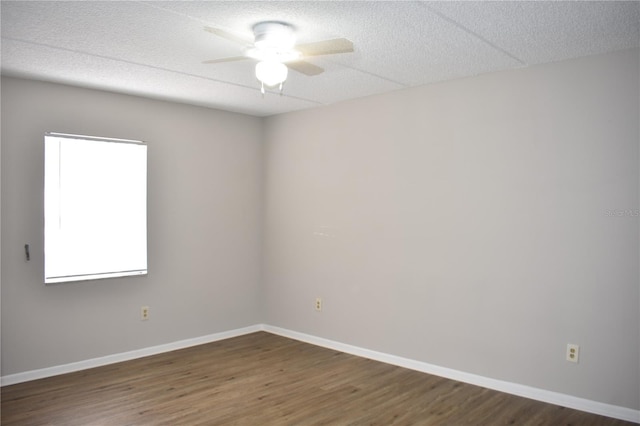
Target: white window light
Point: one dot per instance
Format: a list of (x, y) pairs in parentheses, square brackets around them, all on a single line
[(95, 208)]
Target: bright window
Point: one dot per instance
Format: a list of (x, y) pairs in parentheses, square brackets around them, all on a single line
[(95, 203)]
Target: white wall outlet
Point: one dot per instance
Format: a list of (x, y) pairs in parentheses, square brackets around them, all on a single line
[(318, 304), (573, 352), (144, 313)]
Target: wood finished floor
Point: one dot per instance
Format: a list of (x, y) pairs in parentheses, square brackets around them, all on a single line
[(264, 379)]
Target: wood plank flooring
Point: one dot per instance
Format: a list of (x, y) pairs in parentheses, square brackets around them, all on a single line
[(264, 379)]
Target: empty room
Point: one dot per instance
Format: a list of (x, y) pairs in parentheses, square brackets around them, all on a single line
[(320, 212)]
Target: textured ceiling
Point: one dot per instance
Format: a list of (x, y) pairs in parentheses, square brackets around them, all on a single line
[(156, 49)]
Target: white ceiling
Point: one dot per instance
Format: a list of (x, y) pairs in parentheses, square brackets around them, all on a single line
[(156, 49)]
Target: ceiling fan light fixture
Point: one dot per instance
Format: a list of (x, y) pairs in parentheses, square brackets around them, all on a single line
[(271, 73), (274, 46)]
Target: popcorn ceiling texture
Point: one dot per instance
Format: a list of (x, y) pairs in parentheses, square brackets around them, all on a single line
[(156, 49)]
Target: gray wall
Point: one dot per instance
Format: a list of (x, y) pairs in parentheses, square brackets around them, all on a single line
[(471, 224), (204, 210)]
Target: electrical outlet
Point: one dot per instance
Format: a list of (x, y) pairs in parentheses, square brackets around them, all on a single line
[(318, 304), (573, 352), (144, 313)]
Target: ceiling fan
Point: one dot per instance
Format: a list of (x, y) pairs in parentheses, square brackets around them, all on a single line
[(274, 46)]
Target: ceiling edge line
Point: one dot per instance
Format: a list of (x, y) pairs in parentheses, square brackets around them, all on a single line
[(473, 33), (125, 61), (388, 80), (171, 12)]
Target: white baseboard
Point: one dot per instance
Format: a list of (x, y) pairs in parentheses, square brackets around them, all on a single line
[(550, 397), (556, 398), (12, 379)]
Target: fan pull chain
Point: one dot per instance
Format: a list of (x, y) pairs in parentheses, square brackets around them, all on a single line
[(263, 91)]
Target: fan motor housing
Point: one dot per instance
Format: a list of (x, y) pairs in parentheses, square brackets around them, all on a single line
[(273, 35)]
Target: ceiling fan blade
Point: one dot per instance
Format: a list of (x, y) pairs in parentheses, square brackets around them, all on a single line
[(229, 36), (232, 59), (326, 47), (305, 68)]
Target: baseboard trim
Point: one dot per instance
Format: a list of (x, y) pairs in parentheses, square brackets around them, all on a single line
[(550, 397), (26, 376)]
